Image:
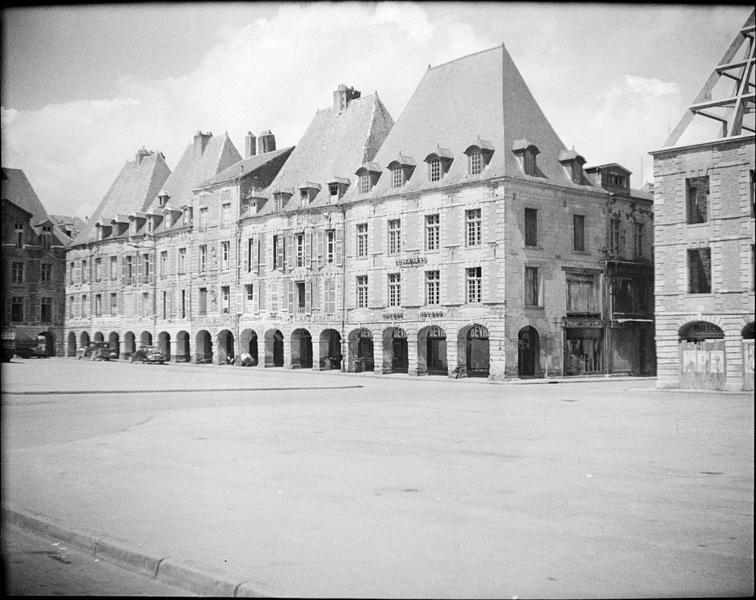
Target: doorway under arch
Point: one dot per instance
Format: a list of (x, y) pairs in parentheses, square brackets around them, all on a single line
[(226, 351), (249, 344), (114, 342), (301, 349), (528, 351), (330, 349), (204, 346), (183, 350), (145, 339), (361, 350), (129, 344), (84, 339), (473, 351), (274, 348), (431, 351), (702, 356), (395, 350), (99, 337), (49, 342), (71, 344), (164, 343)]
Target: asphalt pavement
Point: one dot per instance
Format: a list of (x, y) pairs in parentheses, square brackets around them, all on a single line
[(331, 485)]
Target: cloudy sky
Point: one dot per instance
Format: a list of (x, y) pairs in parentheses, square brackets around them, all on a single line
[(84, 87)]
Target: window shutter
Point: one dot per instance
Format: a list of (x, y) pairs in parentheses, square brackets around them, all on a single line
[(321, 247), (308, 296), (153, 266), (315, 293), (138, 268), (248, 255), (290, 288), (261, 295), (255, 258), (280, 251), (308, 249), (339, 246), (291, 259)]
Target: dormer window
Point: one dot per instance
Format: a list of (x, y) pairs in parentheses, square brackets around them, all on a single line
[(333, 189), (526, 152), (478, 156), (280, 199), (163, 198), (573, 164), (438, 163), (401, 169), (368, 175), (337, 187)]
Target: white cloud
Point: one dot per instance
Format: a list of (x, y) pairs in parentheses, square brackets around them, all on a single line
[(269, 74), (649, 87)]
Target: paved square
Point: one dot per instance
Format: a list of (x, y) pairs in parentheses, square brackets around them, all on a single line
[(320, 484)]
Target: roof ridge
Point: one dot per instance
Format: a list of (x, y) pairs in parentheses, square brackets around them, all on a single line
[(430, 68)]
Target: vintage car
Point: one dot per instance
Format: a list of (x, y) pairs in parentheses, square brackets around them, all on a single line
[(29, 347), (100, 351), (148, 354)]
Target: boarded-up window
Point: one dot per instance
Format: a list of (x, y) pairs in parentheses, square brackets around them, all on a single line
[(699, 271), (582, 294), (532, 286)]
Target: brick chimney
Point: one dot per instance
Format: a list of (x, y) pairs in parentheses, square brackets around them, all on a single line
[(200, 141), (249, 145), (342, 97), (141, 155), (266, 142)]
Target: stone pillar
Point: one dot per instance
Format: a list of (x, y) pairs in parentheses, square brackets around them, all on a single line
[(173, 346), (453, 358), (316, 353), (378, 353), (412, 361)]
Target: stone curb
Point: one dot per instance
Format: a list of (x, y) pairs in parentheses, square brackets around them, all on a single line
[(190, 576)]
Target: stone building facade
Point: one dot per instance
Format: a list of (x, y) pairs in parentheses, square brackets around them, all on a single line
[(704, 233), (33, 260), (464, 239)]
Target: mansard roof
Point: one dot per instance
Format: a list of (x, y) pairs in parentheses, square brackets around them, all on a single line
[(247, 167), (198, 164), (334, 145), (482, 101), (17, 189), (133, 190)]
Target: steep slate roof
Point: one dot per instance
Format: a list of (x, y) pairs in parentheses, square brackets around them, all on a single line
[(245, 167), (17, 189), (473, 100), (194, 168), (333, 145), (133, 190)]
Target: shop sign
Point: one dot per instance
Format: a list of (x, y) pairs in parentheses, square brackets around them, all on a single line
[(434, 331), (364, 333), (431, 314), (399, 334), (583, 323), (414, 261), (393, 316), (478, 332)]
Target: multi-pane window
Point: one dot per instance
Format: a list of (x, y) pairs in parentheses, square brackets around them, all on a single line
[(70, 307), (432, 287), (474, 291), (203, 257), (164, 263), (113, 268), (203, 217), (226, 214), (113, 304), (46, 237), (432, 231), (753, 193), (84, 271), (250, 253), (300, 248), (362, 291), (84, 306), (145, 304), (18, 229), (394, 289), (98, 269), (615, 238), (330, 242), (301, 297), (362, 239), (182, 261), (638, 239), (434, 169), (578, 233), (697, 199), (475, 162), (394, 236), (45, 308), (45, 274), (129, 270), (183, 304), (17, 273), (276, 248), (582, 294), (164, 305), (249, 297), (203, 301), (71, 269), (145, 267), (98, 305), (225, 252), (699, 271), (330, 296), (17, 308), (531, 227), (532, 286), (473, 227), (364, 183), (226, 299), (397, 177)]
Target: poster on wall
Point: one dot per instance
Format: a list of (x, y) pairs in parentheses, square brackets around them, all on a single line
[(716, 361)]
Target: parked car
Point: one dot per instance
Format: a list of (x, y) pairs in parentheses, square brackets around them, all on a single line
[(100, 351), (29, 347), (148, 354)]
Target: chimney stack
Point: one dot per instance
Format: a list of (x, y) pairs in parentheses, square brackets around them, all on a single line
[(141, 155), (200, 141), (266, 142), (342, 97), (250, 141)]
